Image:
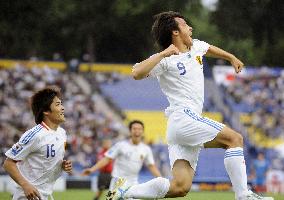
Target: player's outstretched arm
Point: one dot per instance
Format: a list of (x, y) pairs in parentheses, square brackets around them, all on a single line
[(142, 69), (216, 52), (100, 164), (11, 168), (154, 170)]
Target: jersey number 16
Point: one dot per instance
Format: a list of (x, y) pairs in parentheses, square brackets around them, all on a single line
[(50, 151)]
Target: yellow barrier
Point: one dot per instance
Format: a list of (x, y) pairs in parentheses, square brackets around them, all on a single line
[(257, 136), (120, 68), (7, 64), (156, 122), (84, 67)]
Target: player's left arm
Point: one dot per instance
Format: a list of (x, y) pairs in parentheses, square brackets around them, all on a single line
[(216, 52), (154, 170), (66, 165)]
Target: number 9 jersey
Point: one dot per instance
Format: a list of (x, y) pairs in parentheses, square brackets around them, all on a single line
[(181, 78), (39, 153)]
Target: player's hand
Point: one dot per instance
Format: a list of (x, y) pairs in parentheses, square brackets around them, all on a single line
[(237, 64), (31, 192), (67, 166), (171, 50), (87, 172)]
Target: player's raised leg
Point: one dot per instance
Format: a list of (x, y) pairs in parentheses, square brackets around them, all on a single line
[(234, 162)]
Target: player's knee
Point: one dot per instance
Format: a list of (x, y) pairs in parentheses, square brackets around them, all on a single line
[(181, 188), (237, 140)]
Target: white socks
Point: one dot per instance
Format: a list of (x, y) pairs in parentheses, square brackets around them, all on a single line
[(236, 168), (155, 188)]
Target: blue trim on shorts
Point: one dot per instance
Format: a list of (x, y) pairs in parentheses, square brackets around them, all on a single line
[(209, 122), (31, 134)]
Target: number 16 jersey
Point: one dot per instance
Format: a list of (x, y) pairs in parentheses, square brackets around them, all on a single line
[(39, 153)]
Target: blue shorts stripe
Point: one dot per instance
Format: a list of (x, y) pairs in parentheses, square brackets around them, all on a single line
[(215, 124), (204, 120), (31, 134)]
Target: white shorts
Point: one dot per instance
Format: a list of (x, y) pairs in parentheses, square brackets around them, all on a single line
[(186, 134)]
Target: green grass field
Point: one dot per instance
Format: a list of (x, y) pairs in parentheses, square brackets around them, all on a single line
[(88, 195)]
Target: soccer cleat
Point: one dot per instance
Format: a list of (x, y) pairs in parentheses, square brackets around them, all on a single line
[(119, 190), (254, 196)]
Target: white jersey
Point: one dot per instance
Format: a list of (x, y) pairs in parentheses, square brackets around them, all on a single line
[(40, 152), (181, 78), (129, 158)]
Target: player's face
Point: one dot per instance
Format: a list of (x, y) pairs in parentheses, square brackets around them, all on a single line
[(185, 31), (136, 133), (56, 115)]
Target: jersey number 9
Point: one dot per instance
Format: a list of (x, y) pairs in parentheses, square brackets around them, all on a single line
[(181, 68)]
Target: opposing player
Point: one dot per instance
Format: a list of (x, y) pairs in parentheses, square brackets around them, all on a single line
[(36, 160), (179, 70), (128, 157), (104, 177)]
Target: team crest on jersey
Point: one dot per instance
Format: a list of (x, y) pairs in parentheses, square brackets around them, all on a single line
[(16, 149), (199, 59), (141, 157)]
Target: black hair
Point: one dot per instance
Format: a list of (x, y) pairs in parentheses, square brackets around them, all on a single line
[(41, 101), (163, 26), (135, 122)]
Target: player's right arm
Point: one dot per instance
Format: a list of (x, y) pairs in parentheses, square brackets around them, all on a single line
[(142, 69), (110, 155), (28, 143), (100, 164), (11, 168)]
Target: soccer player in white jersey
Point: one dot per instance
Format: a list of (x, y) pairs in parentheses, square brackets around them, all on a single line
[(179, 70), (36, 160), (128, 156)]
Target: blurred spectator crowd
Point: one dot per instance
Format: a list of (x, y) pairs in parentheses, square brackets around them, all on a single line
[(260, 94)]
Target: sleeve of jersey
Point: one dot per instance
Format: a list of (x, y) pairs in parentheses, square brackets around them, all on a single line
[(201, 46), (149, 158), (158, 69), (26, 145), (113, 151)]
